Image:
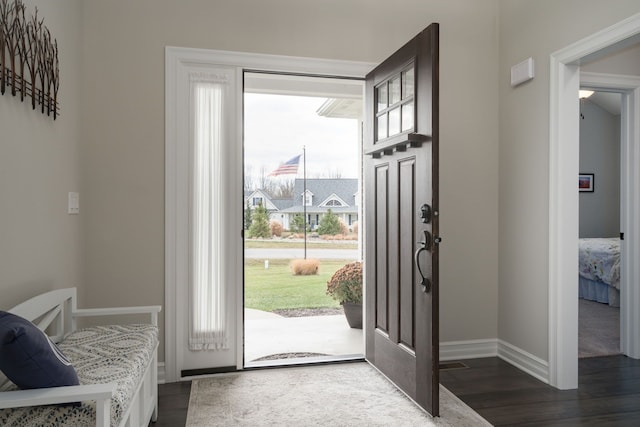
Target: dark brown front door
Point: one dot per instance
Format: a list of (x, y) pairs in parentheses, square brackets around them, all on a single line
[(401, 188)]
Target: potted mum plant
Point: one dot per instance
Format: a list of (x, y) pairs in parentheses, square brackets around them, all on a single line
[(345, 286)]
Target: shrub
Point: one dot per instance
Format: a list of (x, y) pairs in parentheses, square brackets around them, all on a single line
[(346, 284), (260, 223), (329, 224), (276, 228), (354, 227), (304, 267), (297, 224), (344, 230)]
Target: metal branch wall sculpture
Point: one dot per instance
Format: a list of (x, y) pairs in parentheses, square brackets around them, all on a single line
[(28, 58)]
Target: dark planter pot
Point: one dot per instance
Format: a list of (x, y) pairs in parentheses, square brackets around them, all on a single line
[(353, 313)]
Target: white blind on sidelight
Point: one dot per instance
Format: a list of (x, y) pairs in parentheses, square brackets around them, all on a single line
[(208, 317)]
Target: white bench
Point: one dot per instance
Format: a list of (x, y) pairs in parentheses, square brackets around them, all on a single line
[(129, 399)]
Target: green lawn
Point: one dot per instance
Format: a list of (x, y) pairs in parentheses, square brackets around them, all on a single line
[(276, 288)]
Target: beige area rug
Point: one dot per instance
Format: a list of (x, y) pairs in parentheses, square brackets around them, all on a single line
[(352, 394)]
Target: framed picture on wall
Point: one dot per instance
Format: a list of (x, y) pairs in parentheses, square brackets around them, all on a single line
[(585, 182)]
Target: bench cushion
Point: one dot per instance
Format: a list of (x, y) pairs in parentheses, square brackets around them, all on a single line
[(116, 354)]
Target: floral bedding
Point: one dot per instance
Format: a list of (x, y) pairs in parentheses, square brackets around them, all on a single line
[(101, 354), (600, 260)]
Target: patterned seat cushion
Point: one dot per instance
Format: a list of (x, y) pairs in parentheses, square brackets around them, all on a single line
[(101, 354)]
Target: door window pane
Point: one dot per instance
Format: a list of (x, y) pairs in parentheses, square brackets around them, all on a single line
[(394, 121), (407, 83), (382, 127), (382, 97), (394, 90), (407, 116)]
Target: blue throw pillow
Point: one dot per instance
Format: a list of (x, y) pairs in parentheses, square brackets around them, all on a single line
[(29, 358)]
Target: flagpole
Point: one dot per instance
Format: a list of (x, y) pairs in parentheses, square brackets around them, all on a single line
[(304, 196)]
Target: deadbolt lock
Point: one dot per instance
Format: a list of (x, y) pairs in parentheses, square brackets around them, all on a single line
[(425, 213)]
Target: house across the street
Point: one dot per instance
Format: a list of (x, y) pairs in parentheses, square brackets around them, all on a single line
[(340, 195)]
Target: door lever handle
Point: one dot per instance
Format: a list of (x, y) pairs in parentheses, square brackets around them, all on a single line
[(426, 243), (424, 282)]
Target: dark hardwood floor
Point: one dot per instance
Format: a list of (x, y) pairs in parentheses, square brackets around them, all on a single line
[(173, 402), (608, 395)]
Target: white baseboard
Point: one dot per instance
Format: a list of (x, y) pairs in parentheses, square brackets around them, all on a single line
[(524, 361), (161, 373), (474, 349), (470, 349)]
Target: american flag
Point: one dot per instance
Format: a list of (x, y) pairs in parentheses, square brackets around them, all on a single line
[(288, 167)]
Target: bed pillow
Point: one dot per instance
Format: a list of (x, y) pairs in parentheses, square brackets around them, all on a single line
[(29, 358)]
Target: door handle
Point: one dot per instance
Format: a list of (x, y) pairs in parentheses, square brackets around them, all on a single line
[(425, 245)]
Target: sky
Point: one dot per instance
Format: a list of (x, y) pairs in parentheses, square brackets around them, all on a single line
[(278, 126)]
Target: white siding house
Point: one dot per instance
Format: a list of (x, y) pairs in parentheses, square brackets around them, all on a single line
[(340, 195)]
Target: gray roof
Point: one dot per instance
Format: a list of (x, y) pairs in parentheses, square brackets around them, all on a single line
[(322, 188), (282, 204)]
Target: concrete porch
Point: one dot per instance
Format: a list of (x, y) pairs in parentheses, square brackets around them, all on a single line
[(267, 334)]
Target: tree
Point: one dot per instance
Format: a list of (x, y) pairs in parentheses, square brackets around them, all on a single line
[(248, 214), (297, 224), (260, 223), (282, 189), (329, 224)]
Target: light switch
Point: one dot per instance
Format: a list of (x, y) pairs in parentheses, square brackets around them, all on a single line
[(74, 203)]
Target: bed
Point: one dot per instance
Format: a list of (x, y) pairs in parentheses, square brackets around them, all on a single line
[(599, 270)]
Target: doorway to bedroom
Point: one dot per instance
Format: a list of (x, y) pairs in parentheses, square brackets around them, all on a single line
[(599, 224), (569, 71), (302, 205)]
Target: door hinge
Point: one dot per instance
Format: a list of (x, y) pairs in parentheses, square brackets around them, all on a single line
[(621, 236)]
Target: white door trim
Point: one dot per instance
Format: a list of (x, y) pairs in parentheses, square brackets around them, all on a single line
[(563, 197), (175, 199)]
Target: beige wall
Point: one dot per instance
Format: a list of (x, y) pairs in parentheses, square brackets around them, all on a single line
[(39, 165), (625, 62), (533, 29), (110, 145), (123, 127)]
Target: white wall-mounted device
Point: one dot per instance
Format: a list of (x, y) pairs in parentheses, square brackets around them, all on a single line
[(522, 72)]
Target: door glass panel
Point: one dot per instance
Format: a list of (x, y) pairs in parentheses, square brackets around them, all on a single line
[(407, 83), (394, 90), (382, 127), (382, 95), (395, 108), (394, 121), (407, 116)]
